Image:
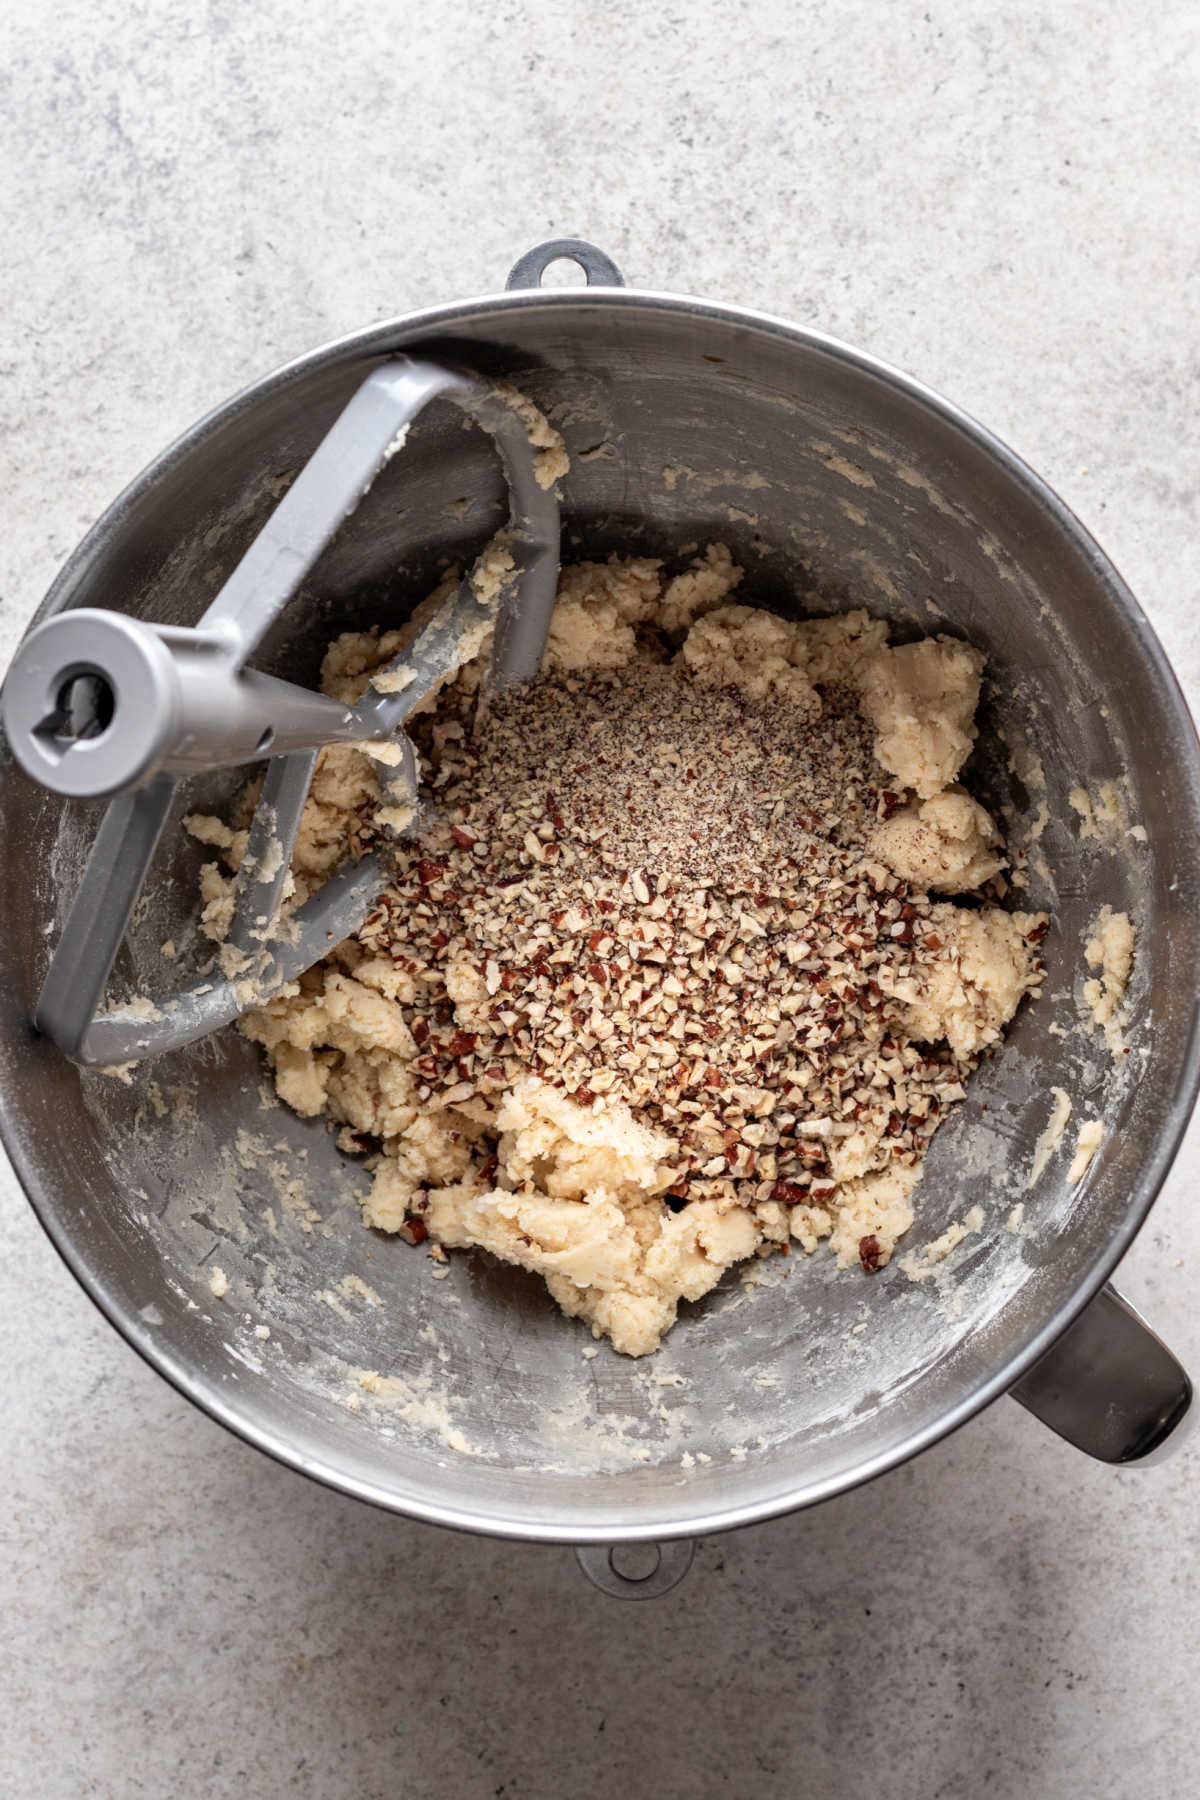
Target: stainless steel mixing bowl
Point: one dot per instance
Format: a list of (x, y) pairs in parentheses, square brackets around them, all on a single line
[(833, 478)]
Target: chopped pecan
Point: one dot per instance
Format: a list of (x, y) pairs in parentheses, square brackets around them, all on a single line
[(870, 1253)]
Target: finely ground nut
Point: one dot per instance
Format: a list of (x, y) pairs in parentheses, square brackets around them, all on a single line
[(665, 987)]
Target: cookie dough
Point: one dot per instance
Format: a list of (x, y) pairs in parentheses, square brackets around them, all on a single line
[(1109, 950), (665, 989)]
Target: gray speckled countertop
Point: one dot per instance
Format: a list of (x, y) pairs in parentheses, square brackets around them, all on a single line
[(1000, 200)]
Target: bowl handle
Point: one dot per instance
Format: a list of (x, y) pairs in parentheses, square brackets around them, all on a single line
[(600, 1564), (1110, 1386), (601, 270)]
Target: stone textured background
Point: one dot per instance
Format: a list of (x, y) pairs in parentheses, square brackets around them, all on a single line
[(998, 199)]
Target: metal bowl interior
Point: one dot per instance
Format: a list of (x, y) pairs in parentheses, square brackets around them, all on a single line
[(833, 480)]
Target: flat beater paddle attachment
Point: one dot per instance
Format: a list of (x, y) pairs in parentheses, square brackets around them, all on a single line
[(99, 703)]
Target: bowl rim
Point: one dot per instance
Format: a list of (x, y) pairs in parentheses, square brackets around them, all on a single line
[(387, 337)]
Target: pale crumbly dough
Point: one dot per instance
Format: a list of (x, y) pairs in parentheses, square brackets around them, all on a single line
[(1101, 815), (969, 995), (600, 604), (921, 699), (1051, 1137), (922, 1265), (877, 1205), (1089, 1140), (580, 1206), (944, 845), (550, 462), (1109, 949), (766, 657), (575, 1191)]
